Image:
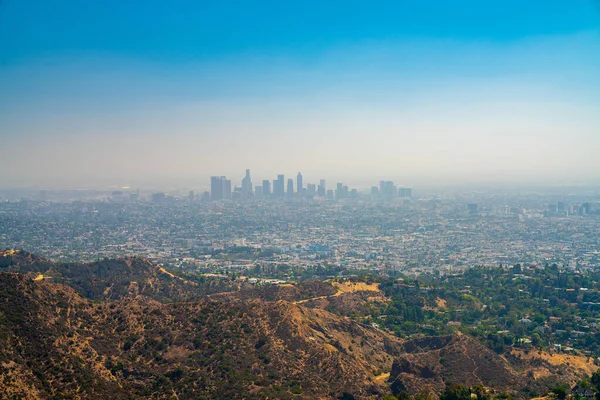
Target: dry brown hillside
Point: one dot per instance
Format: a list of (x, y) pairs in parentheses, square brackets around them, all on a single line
[(56, 343)]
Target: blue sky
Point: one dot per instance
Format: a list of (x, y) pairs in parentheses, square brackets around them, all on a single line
[(409, 90)]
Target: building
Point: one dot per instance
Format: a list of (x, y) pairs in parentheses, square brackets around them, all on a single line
[(220, 188), (226, 189), (278, 186), (216, 188), (290, 188), (322, 190), (247, 185), (405, 192), (299, 186), (339, 191), (387, 190), (266, 187)]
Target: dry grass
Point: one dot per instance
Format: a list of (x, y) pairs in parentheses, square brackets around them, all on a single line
[(352, 287), (382, 378), (441, 303), (577, 363)]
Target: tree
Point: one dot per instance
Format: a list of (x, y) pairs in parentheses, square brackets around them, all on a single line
[(596, 380), (456, 392), (403, 395), (560, 391), (480, 392)]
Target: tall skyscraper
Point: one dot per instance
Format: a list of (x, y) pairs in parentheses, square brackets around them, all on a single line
[(339, 191), (290, 188), (387, 190), (247, 185), (322, 190), (279, 186), (216, 187), (226, 189), (299, 186), (310, 190), (266, 186)]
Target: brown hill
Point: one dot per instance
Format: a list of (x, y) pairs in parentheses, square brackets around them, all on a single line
[(22, 261), (114, 278), (116, 332), (434, 362), (55, 343)]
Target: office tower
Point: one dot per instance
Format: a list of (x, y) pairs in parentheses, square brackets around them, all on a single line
[(299, 186), (345, 192), (354, 194), (216, 187), (387, 190), (247, 185), (290, 187), (206, 196), (322, 188), (562, 207), (258, 192), (191, 195), (587, 208), (266, 187), (311, 190), (279, 186), (226, 189), (339, 191), (405, 192), (330, 194)]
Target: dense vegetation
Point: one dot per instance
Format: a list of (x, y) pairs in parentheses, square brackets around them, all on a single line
[(547, 307)]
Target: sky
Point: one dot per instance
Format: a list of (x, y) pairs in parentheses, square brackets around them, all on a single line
[(153, 93)]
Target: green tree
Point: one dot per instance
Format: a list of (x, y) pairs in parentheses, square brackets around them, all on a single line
[(456, 392), (560, 391), (596, 380)]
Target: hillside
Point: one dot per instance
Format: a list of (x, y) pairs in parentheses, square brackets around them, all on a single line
[(56, 343), (434, 362), (129, 329), (114, 278)]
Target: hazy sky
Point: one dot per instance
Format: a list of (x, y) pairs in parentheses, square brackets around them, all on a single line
[(113, 92)]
